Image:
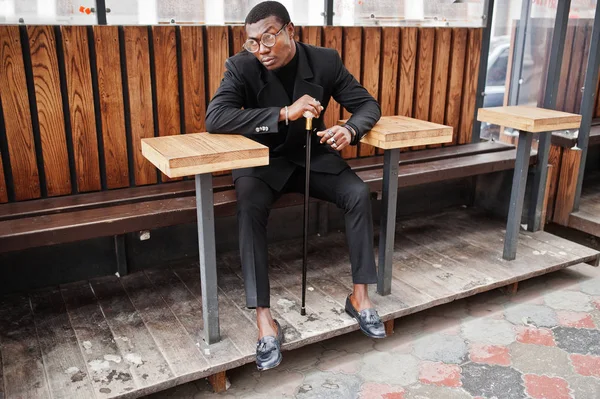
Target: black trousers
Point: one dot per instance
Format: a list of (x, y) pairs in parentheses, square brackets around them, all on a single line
[(254, 202)]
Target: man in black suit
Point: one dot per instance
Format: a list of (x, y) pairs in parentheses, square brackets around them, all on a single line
[(263, 95)]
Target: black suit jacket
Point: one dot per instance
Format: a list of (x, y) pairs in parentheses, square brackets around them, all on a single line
[(250, 97)]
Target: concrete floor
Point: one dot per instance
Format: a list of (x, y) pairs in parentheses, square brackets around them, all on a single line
[(542, 343)]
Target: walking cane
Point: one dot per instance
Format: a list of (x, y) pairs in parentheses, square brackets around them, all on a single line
[(309, 118)]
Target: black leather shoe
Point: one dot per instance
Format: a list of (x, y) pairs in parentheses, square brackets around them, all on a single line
[(268, 350), (368, 320)]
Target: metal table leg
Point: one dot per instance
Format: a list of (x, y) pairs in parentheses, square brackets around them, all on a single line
[(534, 218), (208, 257), (388, 220), (517, 196)]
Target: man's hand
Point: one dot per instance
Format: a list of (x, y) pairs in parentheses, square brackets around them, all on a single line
[(338, 137), (303, 104)]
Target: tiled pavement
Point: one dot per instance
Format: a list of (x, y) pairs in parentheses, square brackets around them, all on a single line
[(542, 343)]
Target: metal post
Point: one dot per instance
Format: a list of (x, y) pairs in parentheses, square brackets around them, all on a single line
[(388, 220), (328, 15), (517, 65), (101, 12), (208, 257), (517, 195), (534, 221), (556, 53), (587, 102), (488, 14)]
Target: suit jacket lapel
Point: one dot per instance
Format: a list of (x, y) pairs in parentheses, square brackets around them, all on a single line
[(302, 85), (272, 94)]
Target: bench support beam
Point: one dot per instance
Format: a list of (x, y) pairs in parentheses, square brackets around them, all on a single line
[(517, 196), (121, 254), (208, 257), (388, 220), (218, 381)]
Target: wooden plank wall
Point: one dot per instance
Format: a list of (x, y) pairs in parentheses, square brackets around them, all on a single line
[(75, 101)]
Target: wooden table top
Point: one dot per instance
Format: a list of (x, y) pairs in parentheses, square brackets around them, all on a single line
[(529, 119), (401, 131), (198, 153)]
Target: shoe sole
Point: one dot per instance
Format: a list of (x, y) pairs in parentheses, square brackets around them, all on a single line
[(272, 367), (361, 329)]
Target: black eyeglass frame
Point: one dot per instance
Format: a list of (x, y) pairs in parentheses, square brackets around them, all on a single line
[(246, 45)]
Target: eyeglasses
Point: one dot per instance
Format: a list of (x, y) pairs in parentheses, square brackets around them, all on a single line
[(267, 39)]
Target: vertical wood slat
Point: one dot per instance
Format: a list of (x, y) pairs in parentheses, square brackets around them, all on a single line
[(567, 180), (576, 67), (388, 80), (217, 42), (332, 38), (167, 82), (312, 35), (389, 70), (3, 192), (441, 62), (218, 51), (192, 54), (17, 115), (564, 69), (81, 107), (584, 59), (238, 34), (44, 60), (112, 112), (424, 66), (457, 72), (470, 85), (137, 52), (352, 46), (370, 72), (554, 159), (407, 71)]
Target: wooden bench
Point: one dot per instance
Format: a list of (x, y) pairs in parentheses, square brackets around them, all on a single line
[(66, 219)]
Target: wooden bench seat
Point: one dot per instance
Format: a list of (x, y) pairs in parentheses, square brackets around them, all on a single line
[(175, 204)]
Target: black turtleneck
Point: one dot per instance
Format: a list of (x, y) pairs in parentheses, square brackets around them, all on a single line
[(287, 75)]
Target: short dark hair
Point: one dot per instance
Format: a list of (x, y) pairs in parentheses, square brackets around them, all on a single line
[(267, 9)]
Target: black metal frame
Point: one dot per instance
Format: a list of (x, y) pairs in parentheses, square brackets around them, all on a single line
[(101, 12), (517, 64), (328, 14), (534, 221), (488, 15), (587, 103)]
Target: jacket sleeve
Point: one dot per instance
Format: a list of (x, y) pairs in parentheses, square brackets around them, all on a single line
[(356, 99), (225, 113)]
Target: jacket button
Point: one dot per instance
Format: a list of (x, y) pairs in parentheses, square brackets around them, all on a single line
[(266, 128), (257, 129)]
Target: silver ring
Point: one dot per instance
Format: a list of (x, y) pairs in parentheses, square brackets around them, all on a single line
[(317, 101), (330, 133), (334, 145), (332, 141)]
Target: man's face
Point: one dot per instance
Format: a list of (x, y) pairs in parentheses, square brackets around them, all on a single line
[(284, 49)]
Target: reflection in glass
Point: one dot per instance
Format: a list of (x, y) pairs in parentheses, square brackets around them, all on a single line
[(47, 12), (408, 12)]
